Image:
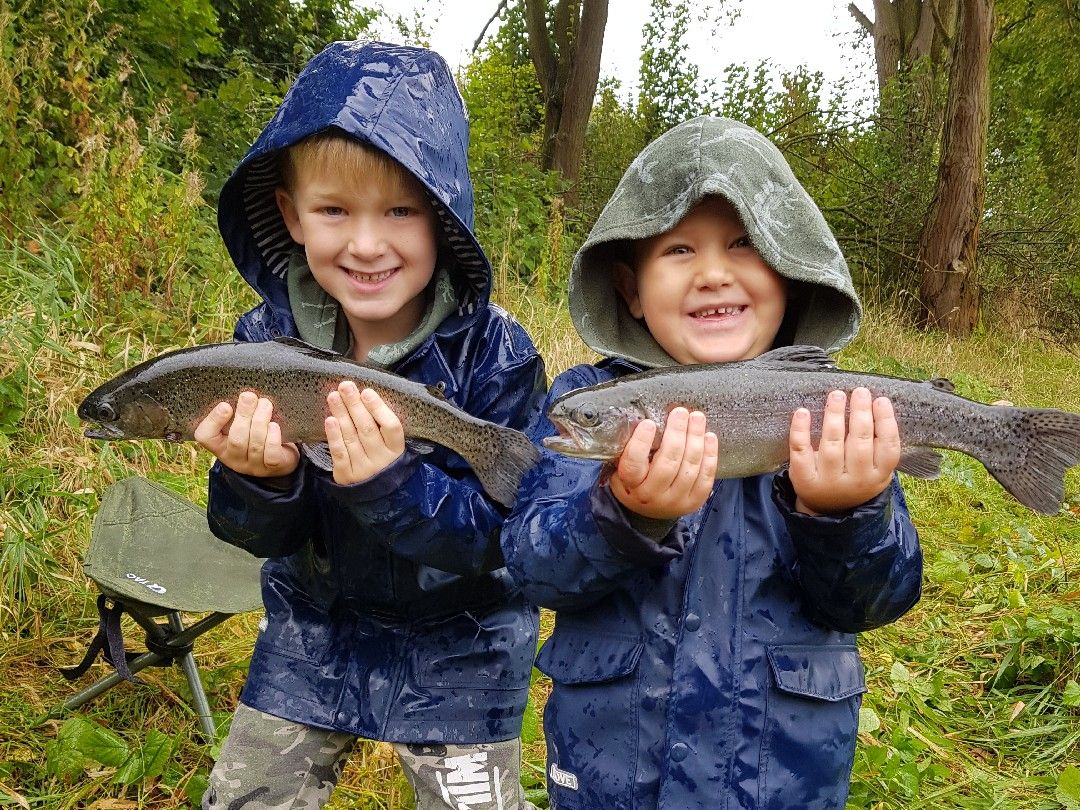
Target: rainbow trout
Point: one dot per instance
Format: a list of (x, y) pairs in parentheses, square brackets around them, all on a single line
[(749, 406), (166, 397)]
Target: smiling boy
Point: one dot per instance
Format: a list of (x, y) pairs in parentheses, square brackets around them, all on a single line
[(704, 653), (389, 615)]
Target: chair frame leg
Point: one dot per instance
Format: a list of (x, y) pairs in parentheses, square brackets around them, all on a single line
[(180, 636)]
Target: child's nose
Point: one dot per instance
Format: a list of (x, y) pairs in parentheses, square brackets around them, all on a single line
[(714, 271), (366, 242)]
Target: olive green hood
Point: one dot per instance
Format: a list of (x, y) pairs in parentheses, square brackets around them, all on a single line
[(701, 157)]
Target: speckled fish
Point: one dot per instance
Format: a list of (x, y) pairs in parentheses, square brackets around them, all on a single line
[(166, 397), (749, 406)]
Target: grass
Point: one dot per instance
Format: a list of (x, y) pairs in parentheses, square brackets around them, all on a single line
[(974, 699)]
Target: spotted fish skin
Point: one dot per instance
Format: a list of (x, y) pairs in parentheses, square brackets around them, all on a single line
[(166, 397), (749, 406)]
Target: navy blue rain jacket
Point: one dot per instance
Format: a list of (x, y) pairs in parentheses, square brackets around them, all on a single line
[(389, 614), (716, 668)]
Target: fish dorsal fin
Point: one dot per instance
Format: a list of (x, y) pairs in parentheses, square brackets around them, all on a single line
[(796, 358), (310, 348), (942, 384), (326, 354)]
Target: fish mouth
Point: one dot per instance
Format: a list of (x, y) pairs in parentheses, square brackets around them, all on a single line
[(571, 442), (103, 432)]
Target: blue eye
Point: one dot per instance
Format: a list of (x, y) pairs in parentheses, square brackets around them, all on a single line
[(400, 211), (333, 211)]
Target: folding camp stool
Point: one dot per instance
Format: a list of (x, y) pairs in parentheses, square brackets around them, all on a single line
[(151, 555)]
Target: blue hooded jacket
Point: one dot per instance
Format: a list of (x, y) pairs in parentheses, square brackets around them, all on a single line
[(389, 614), (714, 664)]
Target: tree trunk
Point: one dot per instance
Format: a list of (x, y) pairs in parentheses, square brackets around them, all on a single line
[(567, 63), (949, 292), (904, 31)]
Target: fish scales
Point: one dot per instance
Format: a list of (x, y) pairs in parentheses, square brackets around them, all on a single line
[(749, 406), (168, 396)]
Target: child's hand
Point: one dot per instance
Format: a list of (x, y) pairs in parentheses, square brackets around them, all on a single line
[(679, 477), (365, 436), (251, 444), (853, 462)]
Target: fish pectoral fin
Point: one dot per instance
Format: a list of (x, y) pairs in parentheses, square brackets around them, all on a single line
[(920, 462), (319, 455), (795, 358), (942, 384), (420, 446)]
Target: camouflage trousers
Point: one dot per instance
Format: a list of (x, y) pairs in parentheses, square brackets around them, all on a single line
[(267, 763)]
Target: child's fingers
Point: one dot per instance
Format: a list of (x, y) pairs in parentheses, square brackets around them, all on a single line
[(668, 458), (260, 423), (802, 461), (335, 439), (830, 452), (240, 430), (390, 427), (706, 474), (859, 447), (210, 431), (633, 464), (887, 446), (693, 453), (366, 429)]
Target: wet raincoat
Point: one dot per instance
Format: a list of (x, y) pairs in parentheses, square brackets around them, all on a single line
[(388, 612), (711, 663)]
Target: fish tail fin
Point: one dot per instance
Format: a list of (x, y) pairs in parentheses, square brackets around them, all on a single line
[(501, 465), (1049, 445)]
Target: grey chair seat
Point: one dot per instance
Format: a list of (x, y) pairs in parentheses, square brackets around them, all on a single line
[(152, 554)]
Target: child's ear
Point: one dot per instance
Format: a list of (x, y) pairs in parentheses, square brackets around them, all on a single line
[(625, 280), (289, 213)]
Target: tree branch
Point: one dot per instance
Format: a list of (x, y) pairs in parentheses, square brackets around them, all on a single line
[(862, 19), (540, 45), (498, 11)]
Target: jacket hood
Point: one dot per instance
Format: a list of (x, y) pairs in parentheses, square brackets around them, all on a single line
[(701, 157), (399, 99)]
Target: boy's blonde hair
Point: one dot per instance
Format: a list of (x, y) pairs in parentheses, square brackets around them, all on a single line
[(330, 151)]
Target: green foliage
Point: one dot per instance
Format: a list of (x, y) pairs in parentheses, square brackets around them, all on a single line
[(670, 84), (512, 193)]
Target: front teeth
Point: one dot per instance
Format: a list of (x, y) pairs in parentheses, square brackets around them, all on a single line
[(371, 278), (705, 313)]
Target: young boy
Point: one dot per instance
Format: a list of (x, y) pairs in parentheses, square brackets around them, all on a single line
[(704, 654), (389, 615)]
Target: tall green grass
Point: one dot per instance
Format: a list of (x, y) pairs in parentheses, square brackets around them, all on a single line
[(974, 697)]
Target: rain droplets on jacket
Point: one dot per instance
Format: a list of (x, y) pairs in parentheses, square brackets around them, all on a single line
[(389, 614)]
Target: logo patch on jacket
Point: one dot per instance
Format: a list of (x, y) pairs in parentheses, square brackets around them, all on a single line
[(563, 778)]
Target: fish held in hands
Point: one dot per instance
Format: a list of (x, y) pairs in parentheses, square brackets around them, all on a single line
[(166, 397), (749, 404)]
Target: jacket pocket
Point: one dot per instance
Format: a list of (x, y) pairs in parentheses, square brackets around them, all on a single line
[(295, 626), (811, 720), (591, 718), (472, 650), (576, 657)]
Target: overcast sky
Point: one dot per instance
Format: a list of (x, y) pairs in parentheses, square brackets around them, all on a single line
[(817, 33)]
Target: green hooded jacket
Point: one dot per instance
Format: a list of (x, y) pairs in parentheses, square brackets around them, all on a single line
[(701, 157)]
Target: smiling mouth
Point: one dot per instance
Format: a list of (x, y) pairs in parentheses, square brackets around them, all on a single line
[(718, 312), (370, 278)]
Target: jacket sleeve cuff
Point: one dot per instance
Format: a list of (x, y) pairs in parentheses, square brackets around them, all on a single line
[(385, 482), (262, 492), (838, 536), (641, 540)]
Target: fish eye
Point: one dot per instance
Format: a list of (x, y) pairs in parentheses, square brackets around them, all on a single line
[(586, 416), (106, 412)]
